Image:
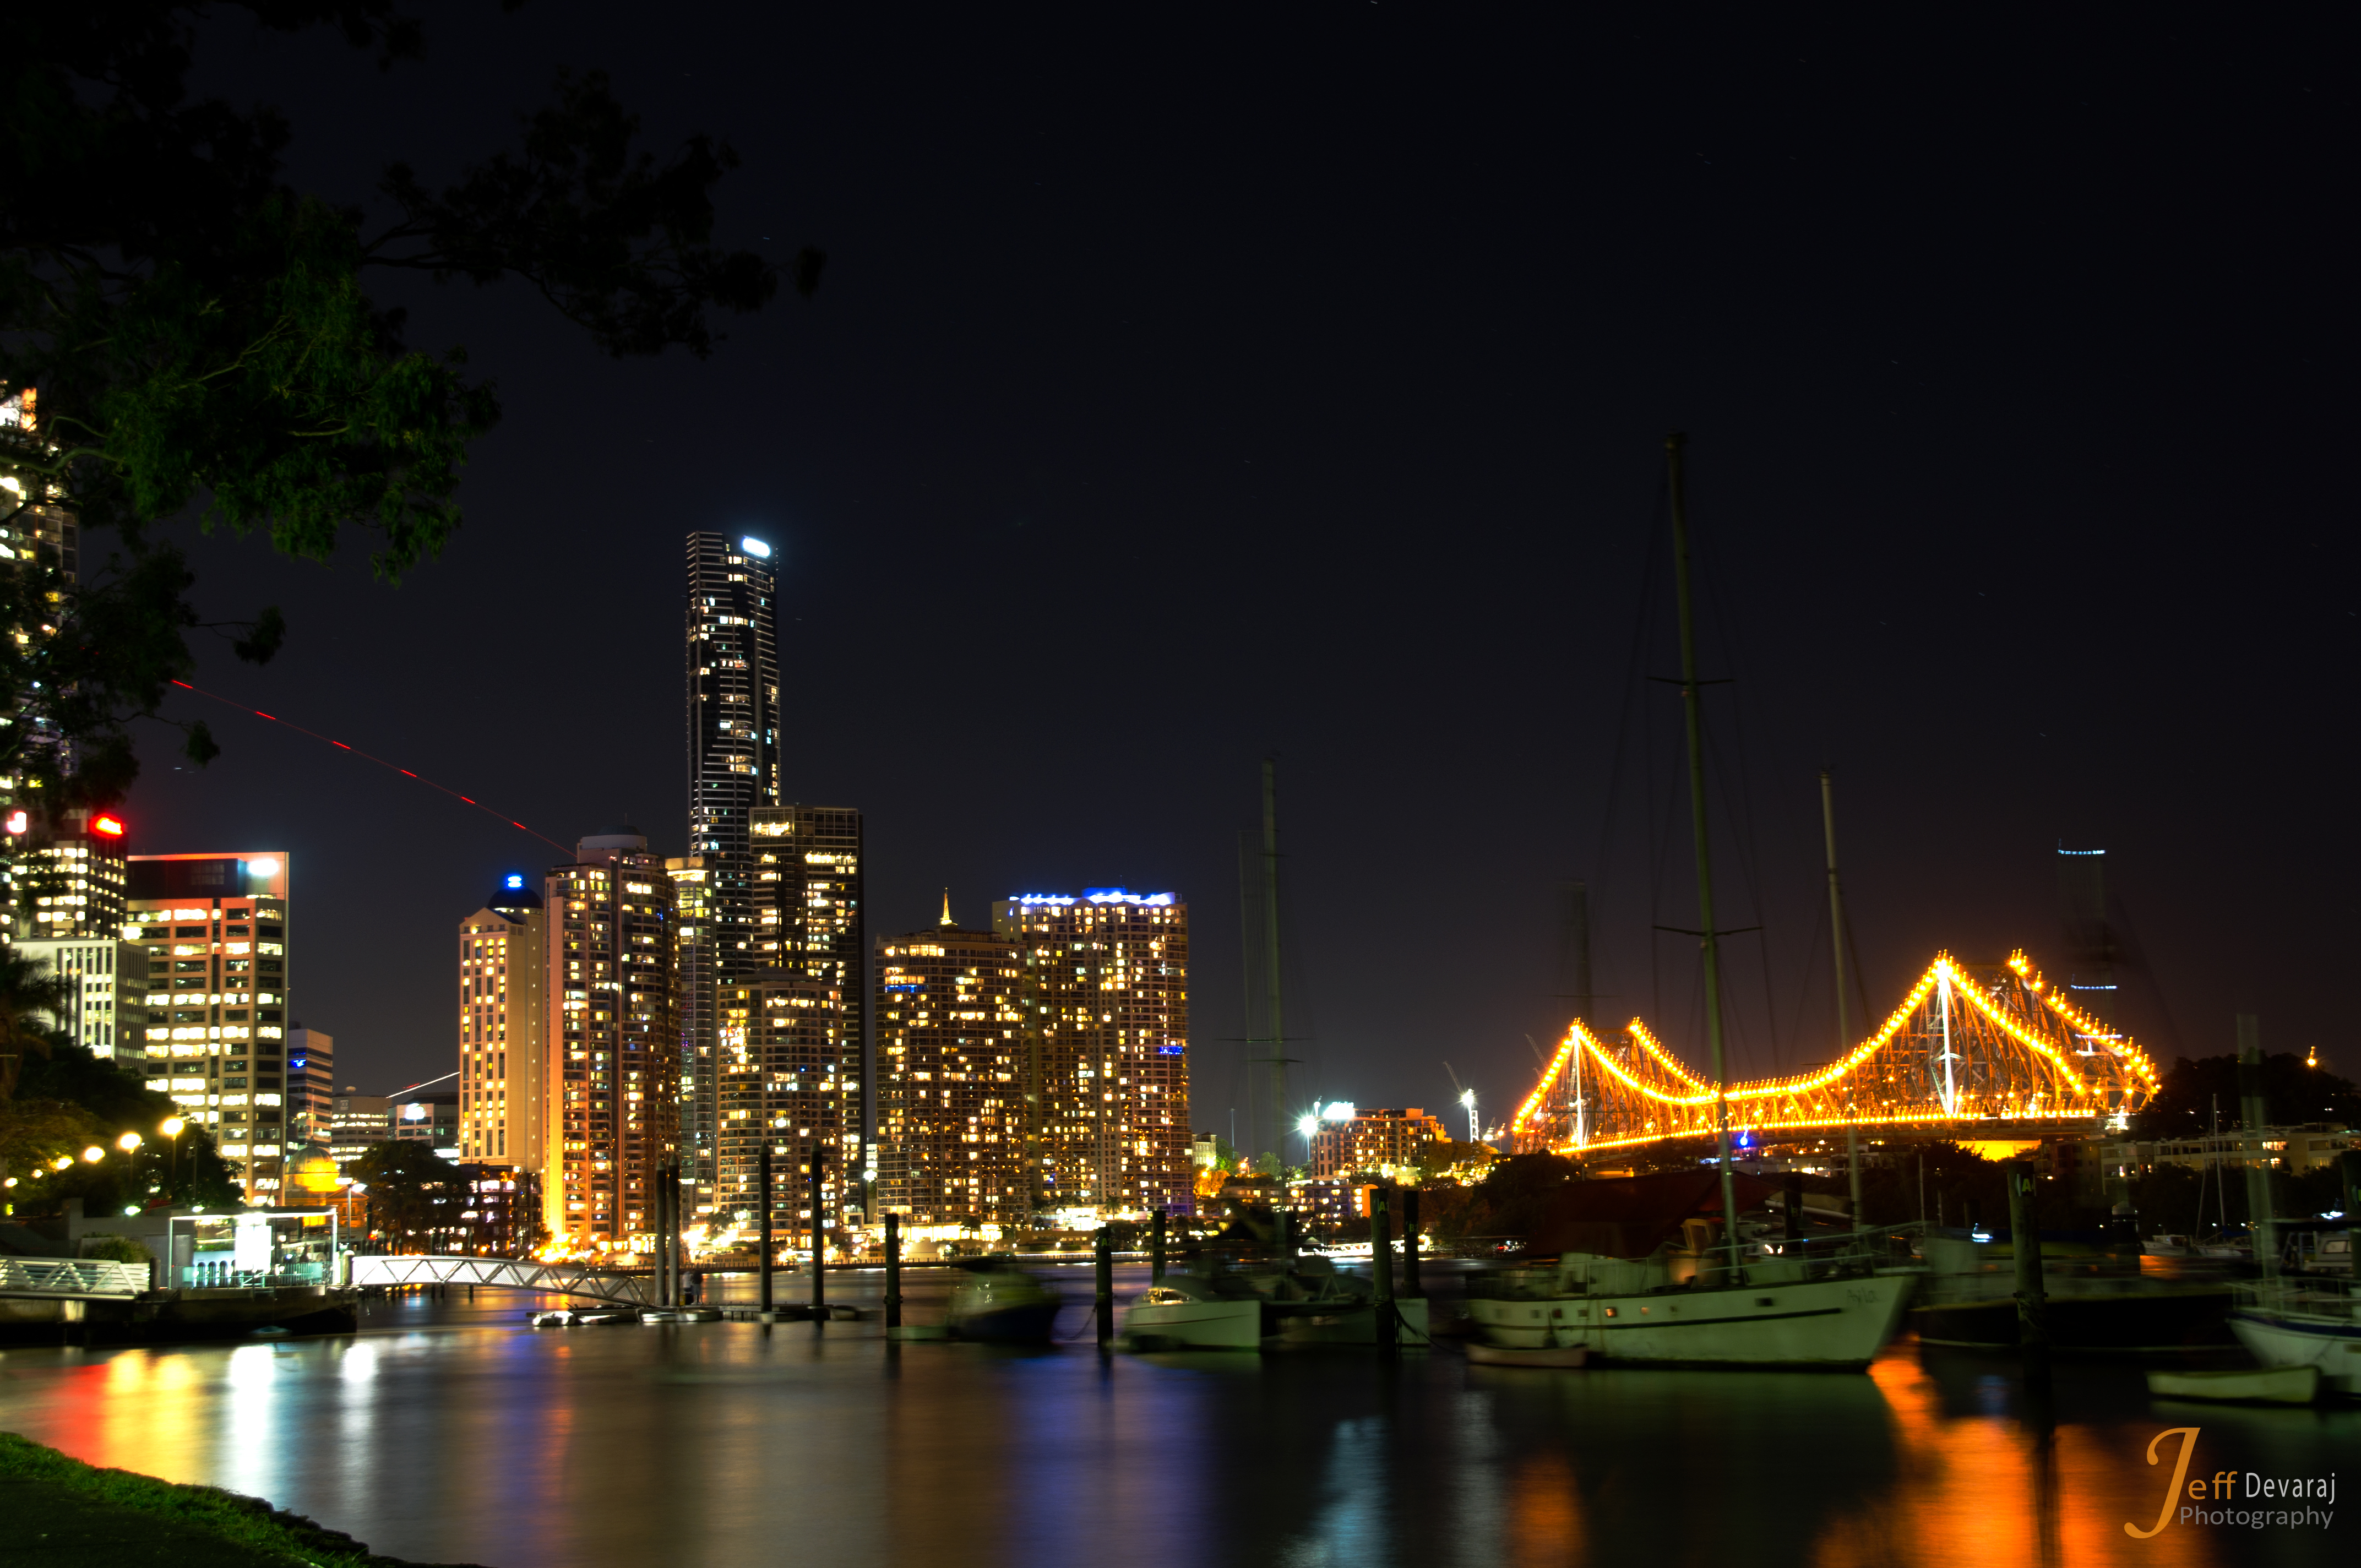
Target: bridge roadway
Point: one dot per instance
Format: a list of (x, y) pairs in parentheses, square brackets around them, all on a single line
[(507, 1274)]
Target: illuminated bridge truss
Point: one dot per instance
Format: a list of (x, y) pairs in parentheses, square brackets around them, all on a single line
[(1967, 1049)]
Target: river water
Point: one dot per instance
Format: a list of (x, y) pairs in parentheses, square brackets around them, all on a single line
[(446, 1431)]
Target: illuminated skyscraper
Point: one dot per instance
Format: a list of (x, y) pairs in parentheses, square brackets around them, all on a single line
[(503, 978), (950, 1084), (694, 1001), (790, 1076), (1106, 1050), (811, 929), (215, 930), (610, 1042), (733, 718)]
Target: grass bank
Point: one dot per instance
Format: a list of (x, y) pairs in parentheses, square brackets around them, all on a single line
[(68, 1513)]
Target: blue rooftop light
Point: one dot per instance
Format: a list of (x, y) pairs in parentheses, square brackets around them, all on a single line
[(516, 880)]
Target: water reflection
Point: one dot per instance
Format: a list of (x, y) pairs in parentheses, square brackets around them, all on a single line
[(449, 1433)]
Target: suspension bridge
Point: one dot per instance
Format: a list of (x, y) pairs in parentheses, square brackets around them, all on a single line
[(1983, 1048)]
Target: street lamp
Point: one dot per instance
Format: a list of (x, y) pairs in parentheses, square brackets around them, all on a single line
[(129, 1143), (170, 1126), (93, 1153)]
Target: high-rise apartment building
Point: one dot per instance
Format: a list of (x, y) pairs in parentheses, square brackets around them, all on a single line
[(1106, 1048), (611, 1042), (695, 999), (950, 1082), (311, 1087), (1359, 1141), (789, 1076), (811, 920), (733, 730), (214, 931), (503, 984)]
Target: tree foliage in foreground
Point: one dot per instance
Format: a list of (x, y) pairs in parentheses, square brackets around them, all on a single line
[(199, 340)]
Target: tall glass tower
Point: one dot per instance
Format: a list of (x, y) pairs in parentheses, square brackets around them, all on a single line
[(733, 771)]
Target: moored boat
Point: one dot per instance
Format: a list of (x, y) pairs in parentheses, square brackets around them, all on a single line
[(2312, 1323), (1186, 1311), (2264, 1385), (997, 1301), (1562, 1358)]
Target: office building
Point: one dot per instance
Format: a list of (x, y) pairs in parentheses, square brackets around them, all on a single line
[(734, 709), (789, 1076), (1107, 1049), (429, 1117), (504, 981), (611, 1042), (1357, 1141), (215, 931), (357, 1123), (310, 1088), (108, 996), (695, 999), (951, 1086), (68, 884)]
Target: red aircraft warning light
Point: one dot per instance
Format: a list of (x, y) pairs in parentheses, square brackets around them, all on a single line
[(110, 827), (17, 822)]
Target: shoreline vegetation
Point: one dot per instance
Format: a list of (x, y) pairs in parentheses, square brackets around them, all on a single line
[(70, 1513)]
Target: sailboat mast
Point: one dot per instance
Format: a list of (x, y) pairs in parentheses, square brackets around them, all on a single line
[(1271, 930), (1693, 715), (1844, 1035)]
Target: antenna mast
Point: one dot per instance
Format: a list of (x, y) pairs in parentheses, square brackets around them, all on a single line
[(1710, 945), (1844, 1035), (1270, 928)]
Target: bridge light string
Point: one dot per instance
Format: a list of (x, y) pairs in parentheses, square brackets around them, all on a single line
[(381, 761), (1750, 1096)]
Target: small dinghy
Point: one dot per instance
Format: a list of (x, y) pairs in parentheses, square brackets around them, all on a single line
[(1483, 1355), (2256, 1386)]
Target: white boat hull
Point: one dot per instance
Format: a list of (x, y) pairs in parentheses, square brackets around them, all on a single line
[(1834, 1323), (2302, 1339), (1194, 1326), (2269, 1385), (1483, 1355)]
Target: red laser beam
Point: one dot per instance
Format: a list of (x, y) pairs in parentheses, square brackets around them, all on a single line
[(381, 761)]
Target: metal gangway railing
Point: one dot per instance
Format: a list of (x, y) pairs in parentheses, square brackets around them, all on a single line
[(506, 1274), (70, 1276)]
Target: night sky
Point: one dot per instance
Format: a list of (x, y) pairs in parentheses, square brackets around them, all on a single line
[(1193, 384)]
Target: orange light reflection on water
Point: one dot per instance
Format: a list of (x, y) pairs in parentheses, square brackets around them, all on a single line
[(1987, 1489)]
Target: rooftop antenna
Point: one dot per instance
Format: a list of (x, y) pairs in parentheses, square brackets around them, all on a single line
[(947, 908)]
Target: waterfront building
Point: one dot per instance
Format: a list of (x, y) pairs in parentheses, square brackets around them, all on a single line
[(733, 730), (610, 1043), (109, 1000), (500, 1212), (950, 1089), (214, 929), (429, 1117), (356, 1122), (789, 1076), (695, 1001), (503, 978), (1357, 1141), (310, 1088), (1106, 1050), (811, 924), (2291, 1149)]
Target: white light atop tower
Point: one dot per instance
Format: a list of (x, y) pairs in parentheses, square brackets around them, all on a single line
[(755, 547)]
